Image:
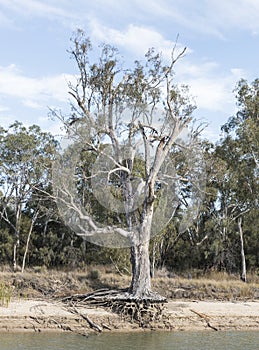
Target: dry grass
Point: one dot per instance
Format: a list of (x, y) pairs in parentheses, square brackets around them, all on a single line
[(5, 294), (214, 286)]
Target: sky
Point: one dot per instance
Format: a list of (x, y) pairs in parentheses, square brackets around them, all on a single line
[(222, 40)]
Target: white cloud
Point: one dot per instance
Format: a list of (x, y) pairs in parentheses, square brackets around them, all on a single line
[(211, 133), (196, 70), (15, 11), (134, 39), (214, 17), (5, 21), (210, 94), (3, 109), (212, 89), (210, 84), (190, 14), (34, 7), (241, 14), (31, 104), (208, 17), (135, 8), (33, 92)]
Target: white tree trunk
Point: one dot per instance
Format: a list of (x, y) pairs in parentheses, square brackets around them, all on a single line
[(17, 232), (28, 240), (15, 246), (141, 280), (243, 259)]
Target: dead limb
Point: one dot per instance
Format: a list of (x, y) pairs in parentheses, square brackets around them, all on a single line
[(204, 317), (106, 327), (92, 324), (116, 267)]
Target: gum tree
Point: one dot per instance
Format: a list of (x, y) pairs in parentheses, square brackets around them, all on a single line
[(132, 124), (239, 149), (25, 157)]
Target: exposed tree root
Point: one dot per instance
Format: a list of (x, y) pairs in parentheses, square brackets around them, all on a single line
[(143, 310), (106, 294)]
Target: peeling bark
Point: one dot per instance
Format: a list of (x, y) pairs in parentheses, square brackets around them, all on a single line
[(141, 279)]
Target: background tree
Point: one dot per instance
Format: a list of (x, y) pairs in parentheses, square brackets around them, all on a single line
[(25, 155), (239, 150)]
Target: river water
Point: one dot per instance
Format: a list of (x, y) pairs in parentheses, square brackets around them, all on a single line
[(141, 341)]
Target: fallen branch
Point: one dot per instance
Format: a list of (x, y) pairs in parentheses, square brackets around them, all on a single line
[(92, 324), (35, 318), (204, 317), (106, 327)]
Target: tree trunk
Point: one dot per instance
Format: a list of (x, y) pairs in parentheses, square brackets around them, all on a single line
[(140, 287), (141, 281), (153, 261), (17, 233), (28, 240), (243, 259), (15, 246)]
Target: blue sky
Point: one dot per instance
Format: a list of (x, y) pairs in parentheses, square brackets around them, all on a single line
[(222, 38)]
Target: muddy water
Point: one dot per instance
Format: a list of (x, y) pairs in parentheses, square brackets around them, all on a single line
[(141, 341)]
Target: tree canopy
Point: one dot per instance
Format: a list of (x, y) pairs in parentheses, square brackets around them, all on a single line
[(127, 166)]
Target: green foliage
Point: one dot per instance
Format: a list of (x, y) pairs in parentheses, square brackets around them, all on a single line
[(94, 275), (25, 161), (236, 181), (6, 246)]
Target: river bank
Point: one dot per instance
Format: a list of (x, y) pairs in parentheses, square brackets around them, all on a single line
[(32, 302), (180, 315)]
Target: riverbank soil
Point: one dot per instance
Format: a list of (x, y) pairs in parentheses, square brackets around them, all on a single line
[(34, 301)]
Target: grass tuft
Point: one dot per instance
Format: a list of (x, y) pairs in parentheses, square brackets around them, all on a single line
[(5, 294)]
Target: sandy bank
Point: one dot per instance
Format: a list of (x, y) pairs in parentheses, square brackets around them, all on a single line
[(42, 315)]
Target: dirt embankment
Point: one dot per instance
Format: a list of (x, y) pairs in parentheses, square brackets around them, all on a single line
[(42, 315), (34, 304)]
